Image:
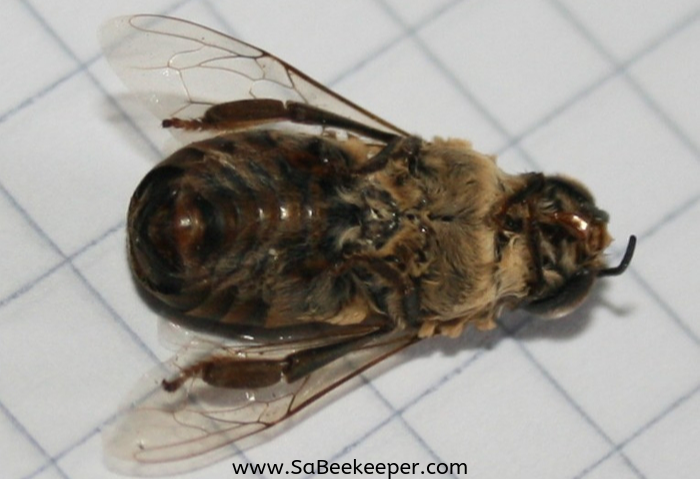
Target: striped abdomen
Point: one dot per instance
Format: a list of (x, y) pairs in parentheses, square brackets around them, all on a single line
[(244, 228)]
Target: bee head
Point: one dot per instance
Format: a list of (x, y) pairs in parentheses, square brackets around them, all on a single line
[(566, 236)]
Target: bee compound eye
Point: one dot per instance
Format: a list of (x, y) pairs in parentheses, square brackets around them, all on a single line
[(565, 298)]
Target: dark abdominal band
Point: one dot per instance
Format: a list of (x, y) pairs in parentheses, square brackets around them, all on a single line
[(247, 206)]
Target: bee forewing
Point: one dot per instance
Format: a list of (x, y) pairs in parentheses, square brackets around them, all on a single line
[(165, 432), (180, 69)]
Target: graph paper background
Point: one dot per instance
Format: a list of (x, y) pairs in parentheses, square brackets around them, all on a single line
[(608, 92)]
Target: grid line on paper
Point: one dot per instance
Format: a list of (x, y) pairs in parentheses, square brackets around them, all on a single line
[(513, 140), (84, 68), (51, 462), (28, 101), (624, 67), (49, 241), (620, 69), (671, 216), (66, 259), (577, 407), (59, 264), (452, 79), (639, 432), (407, 31), (398, 412), (667, 308)]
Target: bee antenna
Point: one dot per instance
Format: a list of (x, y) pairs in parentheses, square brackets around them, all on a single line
[(626, 260)]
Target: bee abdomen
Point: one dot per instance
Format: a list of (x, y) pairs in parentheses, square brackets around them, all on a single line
[(241, 205)]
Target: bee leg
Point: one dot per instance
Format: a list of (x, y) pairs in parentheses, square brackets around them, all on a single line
[(398, 148), (242, 114), (235, 115), (233, 373), (380, 160), (310, 115), (305, 362), (402, 299), (237, 373)]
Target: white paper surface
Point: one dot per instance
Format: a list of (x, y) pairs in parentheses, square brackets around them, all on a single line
[(606, 92)]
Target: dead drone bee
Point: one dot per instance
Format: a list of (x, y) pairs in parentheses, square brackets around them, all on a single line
[(316, 239)]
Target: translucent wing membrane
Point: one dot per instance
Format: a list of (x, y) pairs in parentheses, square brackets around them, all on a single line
[(165, 432), (180, 69)]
